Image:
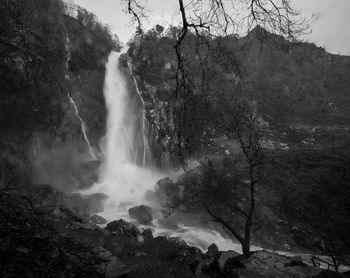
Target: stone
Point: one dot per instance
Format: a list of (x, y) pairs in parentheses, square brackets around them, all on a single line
[(223, 257), (122, 227), (212, 252), (139, 254), (97, 219), (232, 264), (113, 266), (143, 214), (147, 234), (170, 194), (197, 267), (46, 195), (295, 261), (87, 204)]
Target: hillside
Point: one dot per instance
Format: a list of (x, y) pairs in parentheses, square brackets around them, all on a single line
[(46, 56), (295, 87), (257, 109)]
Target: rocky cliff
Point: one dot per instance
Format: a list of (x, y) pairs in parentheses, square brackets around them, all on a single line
[(300, 94), (291, 84), (52, 74)]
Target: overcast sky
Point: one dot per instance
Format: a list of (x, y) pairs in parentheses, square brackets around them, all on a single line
[(330, 25)]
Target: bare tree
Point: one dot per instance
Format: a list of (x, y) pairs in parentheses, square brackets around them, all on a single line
[(207, 20), (246, 126)]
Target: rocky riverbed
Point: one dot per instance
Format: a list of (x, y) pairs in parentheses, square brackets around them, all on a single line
[(53, 239)]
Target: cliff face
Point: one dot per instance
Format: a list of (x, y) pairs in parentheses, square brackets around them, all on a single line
[(46, 56), (290, 84), (301, 96)]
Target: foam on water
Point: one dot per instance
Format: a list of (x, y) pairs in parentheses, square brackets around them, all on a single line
[(125, 182)]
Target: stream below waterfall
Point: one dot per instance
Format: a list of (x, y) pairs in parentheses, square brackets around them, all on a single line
[(126, 183), (122, 179)]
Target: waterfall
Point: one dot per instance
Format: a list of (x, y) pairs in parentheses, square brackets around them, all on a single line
[(68, 55), (83, 127), (120, 177), (144, 123)]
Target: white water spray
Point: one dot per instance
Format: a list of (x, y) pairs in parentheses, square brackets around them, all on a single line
[(121, 179), (83, 127)]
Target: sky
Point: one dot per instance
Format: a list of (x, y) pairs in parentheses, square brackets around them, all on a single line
[(329, 25)]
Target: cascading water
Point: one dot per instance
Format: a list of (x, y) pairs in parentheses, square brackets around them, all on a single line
[(125, 182), (83, 127), (120, 178), (144, 124)]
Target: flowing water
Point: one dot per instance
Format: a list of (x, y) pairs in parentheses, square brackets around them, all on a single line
[(83, 127), (146, 154), (120, 178), (125, 182)]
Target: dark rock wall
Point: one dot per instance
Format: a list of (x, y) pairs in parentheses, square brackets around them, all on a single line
[(46, 54), (289, 83)]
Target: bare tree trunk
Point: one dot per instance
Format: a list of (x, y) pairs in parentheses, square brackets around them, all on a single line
[(336, 263)]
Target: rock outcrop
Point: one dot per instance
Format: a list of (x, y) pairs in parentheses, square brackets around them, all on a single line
[(142, 213)]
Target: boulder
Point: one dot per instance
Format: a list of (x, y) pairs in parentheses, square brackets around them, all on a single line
[(223, 257), (46, 195), (197, 267), (65, 213), (87, 204), (113, 266), (233, 264), (122, 227), (143, 214), (212, 252), (96, 219), (170, 194), (295, 261), (147, 234)]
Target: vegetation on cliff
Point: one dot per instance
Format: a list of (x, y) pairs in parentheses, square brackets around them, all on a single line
[(47, 51)]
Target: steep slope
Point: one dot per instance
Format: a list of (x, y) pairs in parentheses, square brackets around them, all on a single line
[(49, 56), (301, 97), (295, 87)]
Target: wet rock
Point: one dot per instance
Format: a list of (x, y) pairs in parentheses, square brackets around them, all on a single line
[(233, 264), (197, 267), (87, 204), (46, 195), (81, 205), (113, 266), (122, 227), (212, 252), (87, 173), (143, 214), (295, 261), (169, 223), (147, 234), (139, 254), (193, 257), (65, 213), (223, 257), (170, 194), (96, 219)]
